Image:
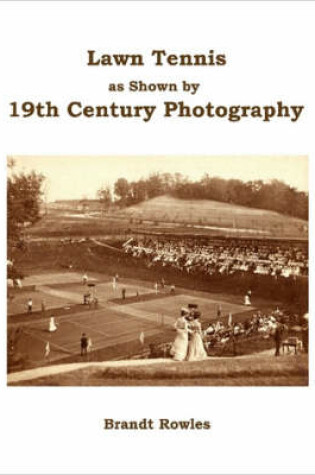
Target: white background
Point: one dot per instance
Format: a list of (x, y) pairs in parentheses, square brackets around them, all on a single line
[(269, 47)]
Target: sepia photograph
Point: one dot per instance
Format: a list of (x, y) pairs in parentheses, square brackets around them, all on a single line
[(157, 270)]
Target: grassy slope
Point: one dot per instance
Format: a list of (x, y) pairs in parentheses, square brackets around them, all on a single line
[(172, 213), (249, 371), (205, 212)]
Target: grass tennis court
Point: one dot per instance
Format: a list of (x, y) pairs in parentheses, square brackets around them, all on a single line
[(109, 325), (170, 307)]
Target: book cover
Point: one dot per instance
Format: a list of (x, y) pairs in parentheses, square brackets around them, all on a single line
[(157, 228)]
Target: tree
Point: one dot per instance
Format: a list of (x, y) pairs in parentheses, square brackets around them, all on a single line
[(138, 191), (122, 190), (155, 185), (24, 193), (104, 195)]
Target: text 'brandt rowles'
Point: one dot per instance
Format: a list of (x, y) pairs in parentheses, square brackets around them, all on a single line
[(160, 424)]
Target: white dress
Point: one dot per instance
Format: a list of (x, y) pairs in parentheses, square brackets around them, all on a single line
[(196, 349), (52, 325), (247, 300), (47, 350), (180, 345)]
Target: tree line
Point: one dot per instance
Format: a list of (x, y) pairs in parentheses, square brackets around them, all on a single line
[(274, 195)]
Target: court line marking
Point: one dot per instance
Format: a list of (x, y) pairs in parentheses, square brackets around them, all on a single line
[(90, 328)]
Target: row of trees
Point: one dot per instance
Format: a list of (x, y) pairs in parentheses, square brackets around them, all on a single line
[(274, 195)]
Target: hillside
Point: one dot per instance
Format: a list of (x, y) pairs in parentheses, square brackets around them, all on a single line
[(169, 214), (218, 216)]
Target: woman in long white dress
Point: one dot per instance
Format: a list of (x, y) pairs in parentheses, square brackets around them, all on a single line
[(196, 349), (180, 345), (52, 325), (90, 344), (247, 300)]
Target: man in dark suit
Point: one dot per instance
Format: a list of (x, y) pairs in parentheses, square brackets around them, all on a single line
[(278, 338), (84, 344)]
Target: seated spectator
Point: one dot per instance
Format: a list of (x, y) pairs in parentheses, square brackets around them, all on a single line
[(186, 255)]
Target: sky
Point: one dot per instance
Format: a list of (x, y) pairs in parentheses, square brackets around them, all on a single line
[(77, 177)]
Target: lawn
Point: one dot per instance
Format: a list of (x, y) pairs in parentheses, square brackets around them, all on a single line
[(242, 371), (115, 324), (171, 213)]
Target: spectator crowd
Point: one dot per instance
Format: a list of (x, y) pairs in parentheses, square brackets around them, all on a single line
[(264, 324), (225, 258)]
